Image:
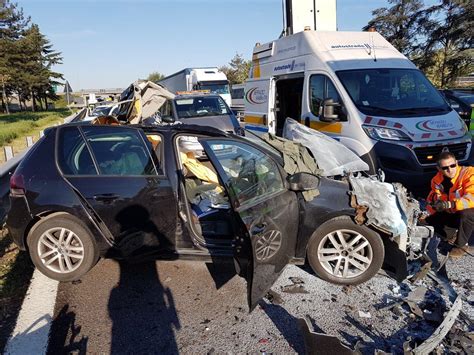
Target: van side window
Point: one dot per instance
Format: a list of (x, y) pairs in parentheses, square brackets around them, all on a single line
[(321, 88)]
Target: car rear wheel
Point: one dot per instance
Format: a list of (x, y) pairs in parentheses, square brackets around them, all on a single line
[(344, 253), (62, 248)]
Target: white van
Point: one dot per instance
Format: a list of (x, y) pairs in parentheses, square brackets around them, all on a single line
[(357, 88)]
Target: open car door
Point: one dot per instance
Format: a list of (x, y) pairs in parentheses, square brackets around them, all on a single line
[(266, 212)]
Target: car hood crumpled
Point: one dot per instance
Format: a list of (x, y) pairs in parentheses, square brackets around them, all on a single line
[(333, 157)]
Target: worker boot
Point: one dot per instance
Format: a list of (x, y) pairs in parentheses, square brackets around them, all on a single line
[(458, 252)]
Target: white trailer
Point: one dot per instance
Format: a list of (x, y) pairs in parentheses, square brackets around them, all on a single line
[(190, 79)]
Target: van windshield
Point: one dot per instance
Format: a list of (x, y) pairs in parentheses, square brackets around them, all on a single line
[(392, 92)]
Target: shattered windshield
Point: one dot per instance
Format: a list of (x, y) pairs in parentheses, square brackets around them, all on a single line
[(392, 92)]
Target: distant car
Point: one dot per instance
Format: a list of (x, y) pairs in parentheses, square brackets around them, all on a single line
[(200, 109), (85, 191), (101, 110), (462, 102)]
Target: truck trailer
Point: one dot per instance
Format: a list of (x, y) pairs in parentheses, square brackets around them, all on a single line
[(189, 79)]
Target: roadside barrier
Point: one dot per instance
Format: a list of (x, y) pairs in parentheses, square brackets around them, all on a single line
[(8, 168)]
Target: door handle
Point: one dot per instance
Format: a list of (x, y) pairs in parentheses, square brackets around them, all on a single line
[(106, 197), (258, 228)]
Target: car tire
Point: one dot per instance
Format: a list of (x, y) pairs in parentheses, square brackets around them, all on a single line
[(62, 248), (352, 261)]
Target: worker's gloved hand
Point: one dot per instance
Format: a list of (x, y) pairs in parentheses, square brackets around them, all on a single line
[(441, 205)]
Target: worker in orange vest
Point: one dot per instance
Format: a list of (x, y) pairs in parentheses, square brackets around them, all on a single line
[(451, 203)]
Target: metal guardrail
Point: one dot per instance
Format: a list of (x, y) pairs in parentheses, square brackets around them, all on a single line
[(8, 168)]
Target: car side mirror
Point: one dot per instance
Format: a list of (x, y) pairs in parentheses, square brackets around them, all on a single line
[(327, 113), (167, 119), (303, 182)]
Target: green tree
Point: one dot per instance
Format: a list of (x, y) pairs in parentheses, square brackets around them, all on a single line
[(438, 38), (448, 50), (155, 76), (12, 26), (37, 77), (398, 23), (238, 70)]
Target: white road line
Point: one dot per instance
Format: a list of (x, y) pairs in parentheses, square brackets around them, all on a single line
[(34, 320)]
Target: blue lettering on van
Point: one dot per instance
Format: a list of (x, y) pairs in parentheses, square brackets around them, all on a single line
[(290, 66)]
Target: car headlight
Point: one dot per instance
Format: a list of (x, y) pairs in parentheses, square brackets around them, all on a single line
[(386, 133)]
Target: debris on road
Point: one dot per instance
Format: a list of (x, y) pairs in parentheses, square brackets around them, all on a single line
[(295, 287), (363, 314)]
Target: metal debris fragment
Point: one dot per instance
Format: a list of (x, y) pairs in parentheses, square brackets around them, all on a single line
[(319, 343)]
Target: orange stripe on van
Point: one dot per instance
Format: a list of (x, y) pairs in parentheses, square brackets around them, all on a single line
[(254, 119), (256, 69), (335, 127)]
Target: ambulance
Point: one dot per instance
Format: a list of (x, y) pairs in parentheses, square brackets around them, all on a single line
[(357, 88)]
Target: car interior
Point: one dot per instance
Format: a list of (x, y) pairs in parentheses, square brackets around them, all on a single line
[(208, 205)]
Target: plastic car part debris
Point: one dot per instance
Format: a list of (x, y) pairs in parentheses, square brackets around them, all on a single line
[(319, 343), (425, 268), (432, 342), (363, 314)]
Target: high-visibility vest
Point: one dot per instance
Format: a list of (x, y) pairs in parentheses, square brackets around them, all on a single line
[(461, 193)]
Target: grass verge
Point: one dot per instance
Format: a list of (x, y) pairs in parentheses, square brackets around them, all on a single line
[(16, 126), (15, 274)]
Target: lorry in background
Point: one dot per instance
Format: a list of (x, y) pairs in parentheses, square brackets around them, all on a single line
[(237, 93), (190, 79), (359, 89)]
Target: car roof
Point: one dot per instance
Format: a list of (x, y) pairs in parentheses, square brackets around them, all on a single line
[(189, 96), (172, 128)]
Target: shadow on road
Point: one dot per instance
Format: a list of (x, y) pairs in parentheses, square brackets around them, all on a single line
[(63, 325), (142, 312)]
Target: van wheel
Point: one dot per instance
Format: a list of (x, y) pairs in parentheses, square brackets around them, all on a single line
[(62, 248), (345, 253)]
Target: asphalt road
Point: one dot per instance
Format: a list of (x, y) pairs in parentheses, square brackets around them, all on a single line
[(198, 307)]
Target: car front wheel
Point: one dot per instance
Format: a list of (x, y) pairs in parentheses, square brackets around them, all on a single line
[(344, 253), (62, 248)]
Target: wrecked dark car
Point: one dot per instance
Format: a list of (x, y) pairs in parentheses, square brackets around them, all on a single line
[(89, 191)]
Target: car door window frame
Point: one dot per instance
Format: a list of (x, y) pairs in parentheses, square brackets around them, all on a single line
[(236, 203), (157, 171)]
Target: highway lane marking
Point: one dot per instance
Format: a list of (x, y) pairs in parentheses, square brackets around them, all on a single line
[(31, 332)]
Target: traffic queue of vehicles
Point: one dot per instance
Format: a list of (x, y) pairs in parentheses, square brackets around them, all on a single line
[(155, 179)]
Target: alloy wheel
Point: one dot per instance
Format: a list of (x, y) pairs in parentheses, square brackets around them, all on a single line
[(60, 250), (345, 253)]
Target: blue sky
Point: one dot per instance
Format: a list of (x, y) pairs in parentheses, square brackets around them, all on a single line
[(111, 43)]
